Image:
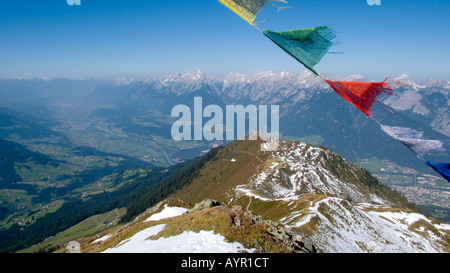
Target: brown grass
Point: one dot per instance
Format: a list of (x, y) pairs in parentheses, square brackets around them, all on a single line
[(220, 175)]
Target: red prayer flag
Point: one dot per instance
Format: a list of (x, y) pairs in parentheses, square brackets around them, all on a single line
[(361, 94)]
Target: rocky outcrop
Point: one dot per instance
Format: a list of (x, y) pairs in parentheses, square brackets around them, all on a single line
[(263, 235), (289, 239), (207, 203)]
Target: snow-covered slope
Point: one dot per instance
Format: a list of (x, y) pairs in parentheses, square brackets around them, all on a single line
[(186, 242), (321, 195), (342, 227), (298, 168)]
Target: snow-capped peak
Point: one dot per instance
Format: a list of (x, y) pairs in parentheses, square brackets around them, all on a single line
[(356, 78), (405, 80)]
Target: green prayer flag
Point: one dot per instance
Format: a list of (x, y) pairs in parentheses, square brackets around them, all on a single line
[(307, 46)]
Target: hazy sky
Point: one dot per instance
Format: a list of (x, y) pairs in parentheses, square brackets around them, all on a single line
[(112, 38)]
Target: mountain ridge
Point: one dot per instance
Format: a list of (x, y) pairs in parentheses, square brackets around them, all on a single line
[(329, 202), (340, 210)]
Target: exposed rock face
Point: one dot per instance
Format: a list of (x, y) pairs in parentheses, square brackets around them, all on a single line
[(280, 235), (207, 203), (242, 220)]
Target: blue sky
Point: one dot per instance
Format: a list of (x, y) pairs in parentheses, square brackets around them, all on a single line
[(113, 38)]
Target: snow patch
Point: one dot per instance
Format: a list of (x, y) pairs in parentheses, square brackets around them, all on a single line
[(102, 239), (356, 229), (187, 242), (138, 242), (167, 212)]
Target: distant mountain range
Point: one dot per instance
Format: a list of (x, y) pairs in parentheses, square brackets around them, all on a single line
[(309, 107), (309, 110), (428, 101)]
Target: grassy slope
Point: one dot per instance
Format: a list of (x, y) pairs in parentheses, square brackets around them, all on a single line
[(220, 174), (93, 225)]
